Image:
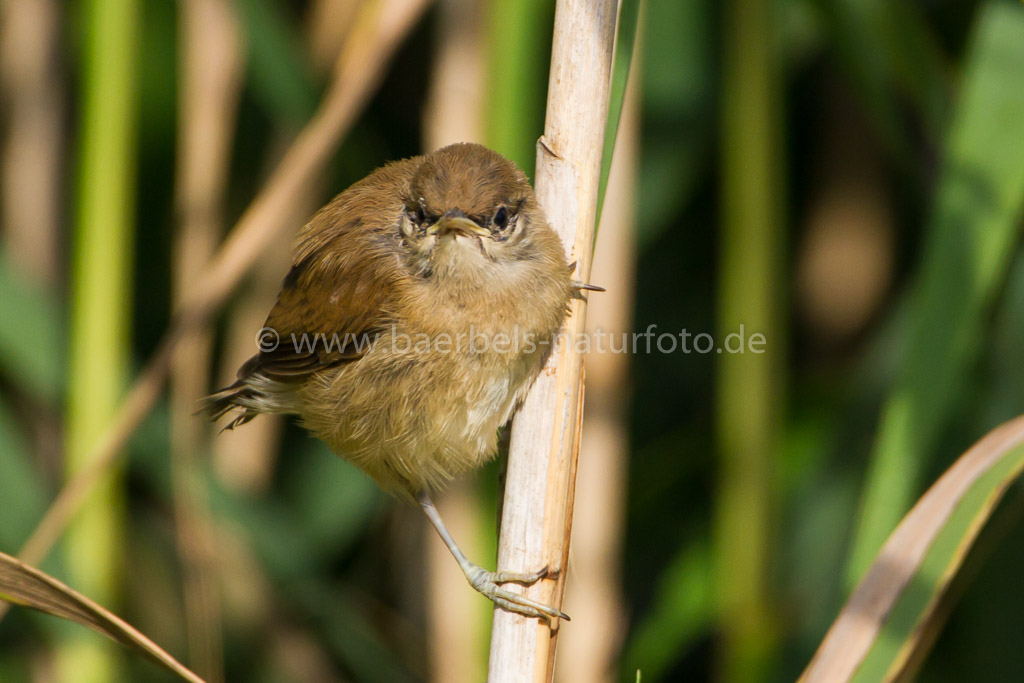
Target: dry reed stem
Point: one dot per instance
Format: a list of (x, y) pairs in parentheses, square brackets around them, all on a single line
[(211, 78), (33, 166), (328, 23), (537, 511), (31, 161), (374, 39), (590, 647)]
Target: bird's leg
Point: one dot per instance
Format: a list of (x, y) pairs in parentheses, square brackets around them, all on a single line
[(486, 582)]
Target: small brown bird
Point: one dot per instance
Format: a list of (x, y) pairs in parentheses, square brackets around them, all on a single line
[(420, 306)]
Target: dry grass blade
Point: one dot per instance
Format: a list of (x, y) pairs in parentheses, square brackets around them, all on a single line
[(894, 570), (373, 40), (29, 587)]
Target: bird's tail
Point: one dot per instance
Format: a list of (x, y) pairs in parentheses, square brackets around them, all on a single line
[(218, 404)]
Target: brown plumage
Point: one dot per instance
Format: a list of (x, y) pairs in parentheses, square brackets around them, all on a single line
[(421, 304)]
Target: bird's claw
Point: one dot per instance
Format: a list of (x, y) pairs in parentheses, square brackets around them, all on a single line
[(578, 286), (578, 289), (487, 583)]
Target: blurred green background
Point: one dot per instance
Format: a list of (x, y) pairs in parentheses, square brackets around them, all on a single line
[(844, 176)]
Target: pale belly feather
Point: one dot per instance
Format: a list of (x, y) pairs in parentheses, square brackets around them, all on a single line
[(378, 413)]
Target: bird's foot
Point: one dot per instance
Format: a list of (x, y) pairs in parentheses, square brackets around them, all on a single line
[(488, 584)]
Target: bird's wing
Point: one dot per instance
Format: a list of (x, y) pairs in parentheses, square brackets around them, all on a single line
[(330, 310), (338, 295)]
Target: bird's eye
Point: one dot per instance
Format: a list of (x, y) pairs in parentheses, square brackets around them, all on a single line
[(501, 218)]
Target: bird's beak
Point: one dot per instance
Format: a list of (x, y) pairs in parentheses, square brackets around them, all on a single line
[(456, 221)]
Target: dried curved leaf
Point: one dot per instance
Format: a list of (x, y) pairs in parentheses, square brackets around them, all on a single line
[(884, 623), (24, 585)]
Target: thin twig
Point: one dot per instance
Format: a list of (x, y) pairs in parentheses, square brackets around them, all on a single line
[(537, 511), (360, 68)]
